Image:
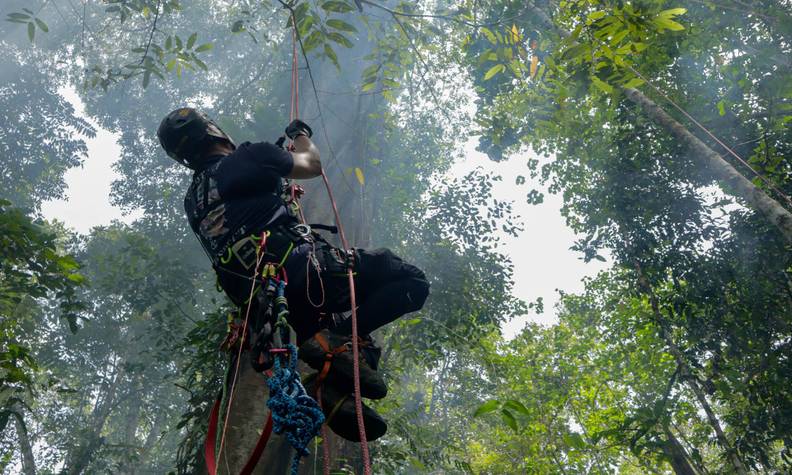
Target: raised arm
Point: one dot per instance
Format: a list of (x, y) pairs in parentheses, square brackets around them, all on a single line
[(305, 154)]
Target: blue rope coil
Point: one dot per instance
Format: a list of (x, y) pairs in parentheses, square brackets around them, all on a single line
[(294, 412)]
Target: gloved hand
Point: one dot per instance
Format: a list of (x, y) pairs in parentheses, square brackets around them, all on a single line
[(298, 127)]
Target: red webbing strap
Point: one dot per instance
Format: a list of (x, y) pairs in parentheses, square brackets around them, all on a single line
[(209, 444), (211, 439), (259, 448)]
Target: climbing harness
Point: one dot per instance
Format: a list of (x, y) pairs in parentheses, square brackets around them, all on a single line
[(292, 412)]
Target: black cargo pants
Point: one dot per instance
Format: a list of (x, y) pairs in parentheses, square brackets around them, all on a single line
[(386, 288)]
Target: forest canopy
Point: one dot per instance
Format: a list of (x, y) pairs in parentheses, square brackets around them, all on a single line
[(663, 125)]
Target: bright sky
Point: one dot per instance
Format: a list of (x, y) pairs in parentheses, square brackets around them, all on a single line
[(541, 256)]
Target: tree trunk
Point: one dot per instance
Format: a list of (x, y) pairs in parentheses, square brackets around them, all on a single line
[(130, 434), (726, 174), (245, 422), (677, 456), (25, 447), (151, 438), (81, 456), (689, 377)]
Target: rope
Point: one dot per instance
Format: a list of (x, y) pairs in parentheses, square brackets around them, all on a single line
[(325, 439), (294, 412), (259, 259), (296, 34), (355, 350), (294, 111)]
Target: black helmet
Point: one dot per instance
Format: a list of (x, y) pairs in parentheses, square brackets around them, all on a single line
[(185, 133)]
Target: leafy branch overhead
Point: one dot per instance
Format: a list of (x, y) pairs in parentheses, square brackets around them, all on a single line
[(31, 20)]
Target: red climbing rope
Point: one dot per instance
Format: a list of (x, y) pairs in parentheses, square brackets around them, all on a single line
[(355, 350)]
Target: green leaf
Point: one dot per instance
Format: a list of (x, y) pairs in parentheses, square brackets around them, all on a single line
[(509, 419), (574, 440), (368, 86), (168, 43), (204, 47), (664, 23), (42, 26), (18, 16), (146, 79), (490, 36), (77, 278), (618, 37), (602, 85), (721, 108), (300, 11), (493, 71), (191, 40), (313, 40), (332, 55), (340, 39), (672, 12), (336, 6), (201, 64), (390, 83), (594, 16), (487, 407), (634, 82), (576, 51), (72, 321), (513, 404), (341, 25), (31, 30)]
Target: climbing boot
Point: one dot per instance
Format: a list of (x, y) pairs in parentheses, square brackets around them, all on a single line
[(339, 410), (331, 355)]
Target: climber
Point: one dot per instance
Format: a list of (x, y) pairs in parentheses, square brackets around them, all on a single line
[(237, 198)]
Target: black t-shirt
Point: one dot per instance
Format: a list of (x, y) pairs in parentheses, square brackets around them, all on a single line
[(236, 195)]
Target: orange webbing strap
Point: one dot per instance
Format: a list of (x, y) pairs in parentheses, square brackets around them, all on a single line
[(329, 355)]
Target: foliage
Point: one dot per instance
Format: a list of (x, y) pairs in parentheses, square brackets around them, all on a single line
[(36, 277), (674, 360)]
